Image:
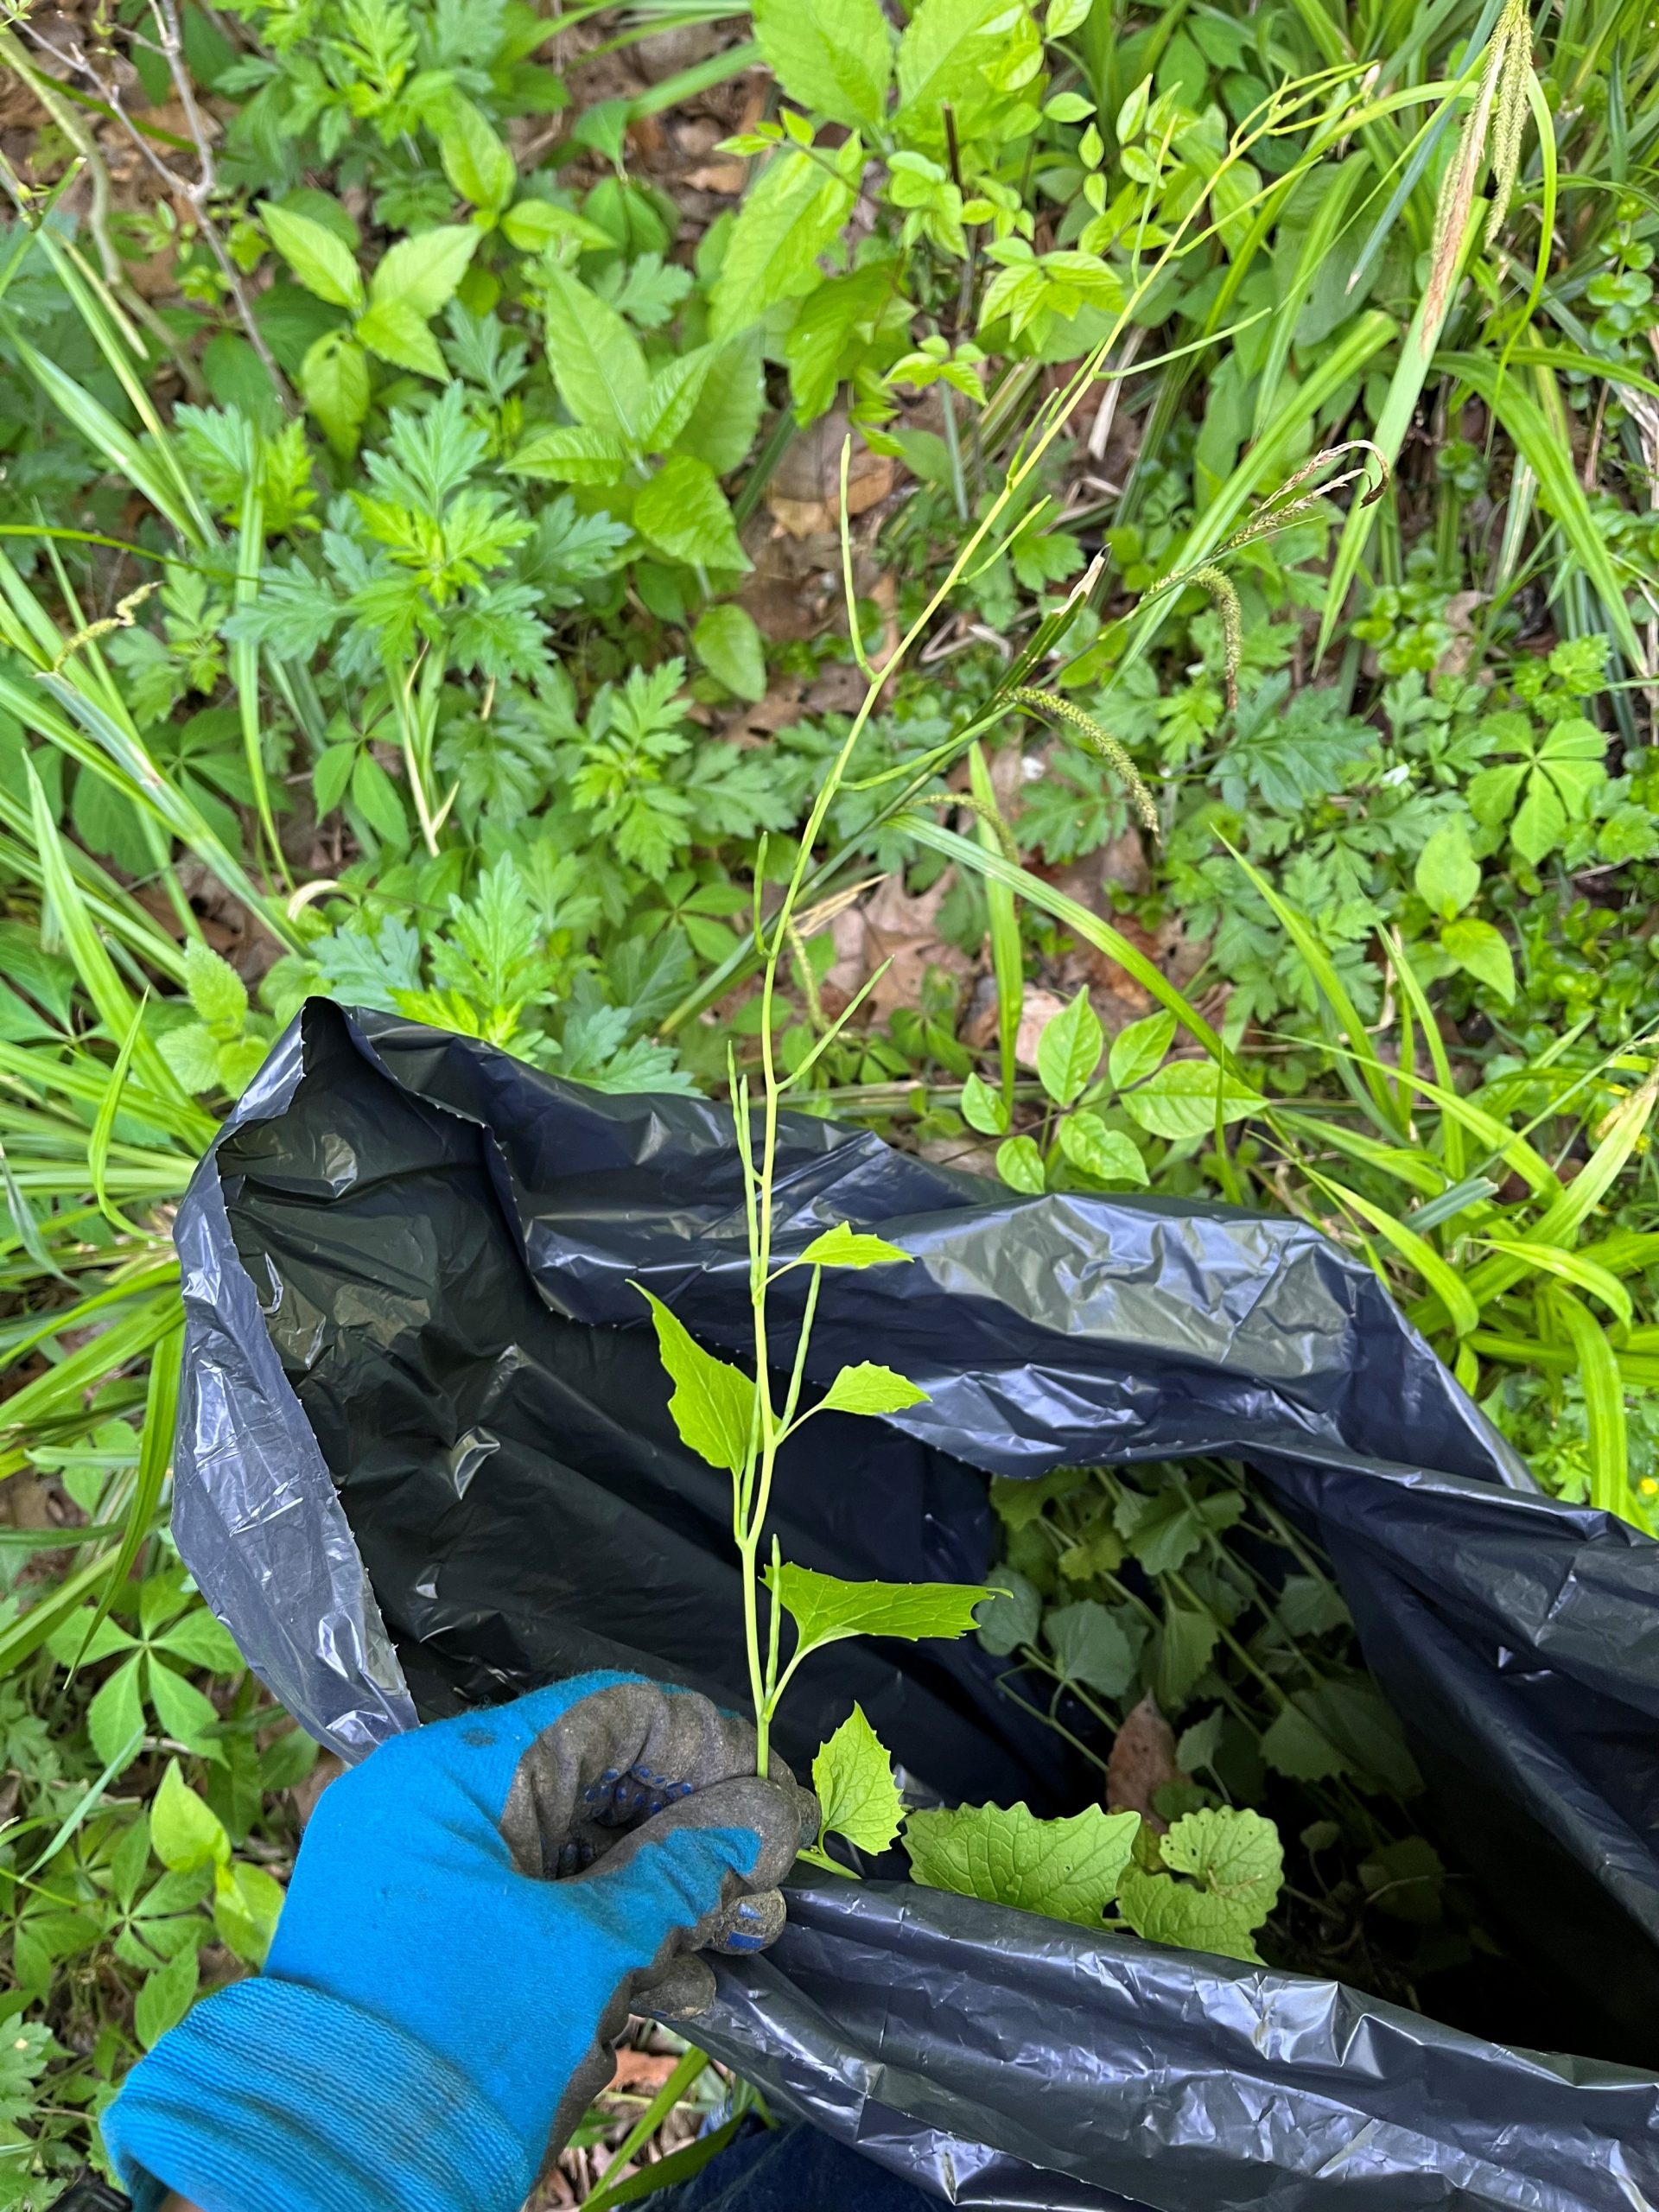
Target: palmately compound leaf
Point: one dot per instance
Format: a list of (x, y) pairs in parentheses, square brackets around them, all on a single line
[(843, 1246), (713, 1404), (852, 1777), (870, 1388), (1234, 1852), (184, 1833), (1166, 1911), (824, 1609), (1068, 1869)]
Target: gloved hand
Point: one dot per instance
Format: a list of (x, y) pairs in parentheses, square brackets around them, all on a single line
[(474, 1912)]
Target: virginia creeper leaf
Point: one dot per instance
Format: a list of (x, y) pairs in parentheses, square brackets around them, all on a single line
[(183, 1832)]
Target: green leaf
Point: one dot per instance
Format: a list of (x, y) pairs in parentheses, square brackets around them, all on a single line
[(422, 272), (325, 264), (183, 1832), (983, 1109), (729, 644), (684, 513), (870, 1388), (474, 160), (713, 1404), (535, 225), (572, 454), (721, 426), (184, 1713), (1090, 1647), (1231, 1852), (1066, 1869), (166, 1996), (833, 56), (1017, 1500), (596, 361), (843, 1246), (826, 1609), (217, 992), (1295, 1745), (1021, 1166), (1163, 1530), (1140, 1047), (115, 1719), (1161, 1910), (1186, 1643), (375, 796), (335, 384), (1068, 1052), (1448, 874), (793, 213), (1483, 952), (201, 1640), (852, 1779), (1106, 1155), (949, 53), (671, 397), (396, 332), (1185, 1098), (247, 1904), (1010, 1616)]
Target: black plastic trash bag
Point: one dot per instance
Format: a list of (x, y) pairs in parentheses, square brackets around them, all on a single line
[(425, 1460)]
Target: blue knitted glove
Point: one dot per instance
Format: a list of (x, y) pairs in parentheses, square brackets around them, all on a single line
[(475, 1911)]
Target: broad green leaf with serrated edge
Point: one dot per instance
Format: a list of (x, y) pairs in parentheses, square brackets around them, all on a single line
[(946, 56), (325, 264), (200, 1641), (1017, 1501), (852, 1779), (722, 424), (334, 385), (165, 1997), (216, 991), (183, 1832), (1010, 1616), (571, 455), (843, 1246), (66, 1643), (1163, 1911), (1448, 874), (247, 1904), (670, 398), (1163, 1530), (1140, 1047), (729, 644), (834, 56), (1231, 1852), (1068, 1052), (533, 225), (595, 360), (1106, 1155), (422, 273), (983, 1109), (1293, 1745), (474, 160), (684, 513), (1182, 1099), (1068, 1870), (713, 1404), (784, 223), (869, 1387), (1021, 1166), (1065, 17), (826, 1609), (184, 1713), (1481, 952), (1090, 1647), (393, 330)]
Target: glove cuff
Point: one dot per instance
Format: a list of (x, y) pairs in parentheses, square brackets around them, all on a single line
[(272, 2094)]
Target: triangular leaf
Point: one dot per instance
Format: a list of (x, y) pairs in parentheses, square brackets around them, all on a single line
[(870, 1388), (826, 1609), (852, 1777), (845, 1247), (713, 1404)]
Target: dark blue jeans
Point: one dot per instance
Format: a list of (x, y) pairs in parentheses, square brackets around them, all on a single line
[(793, 2170)]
